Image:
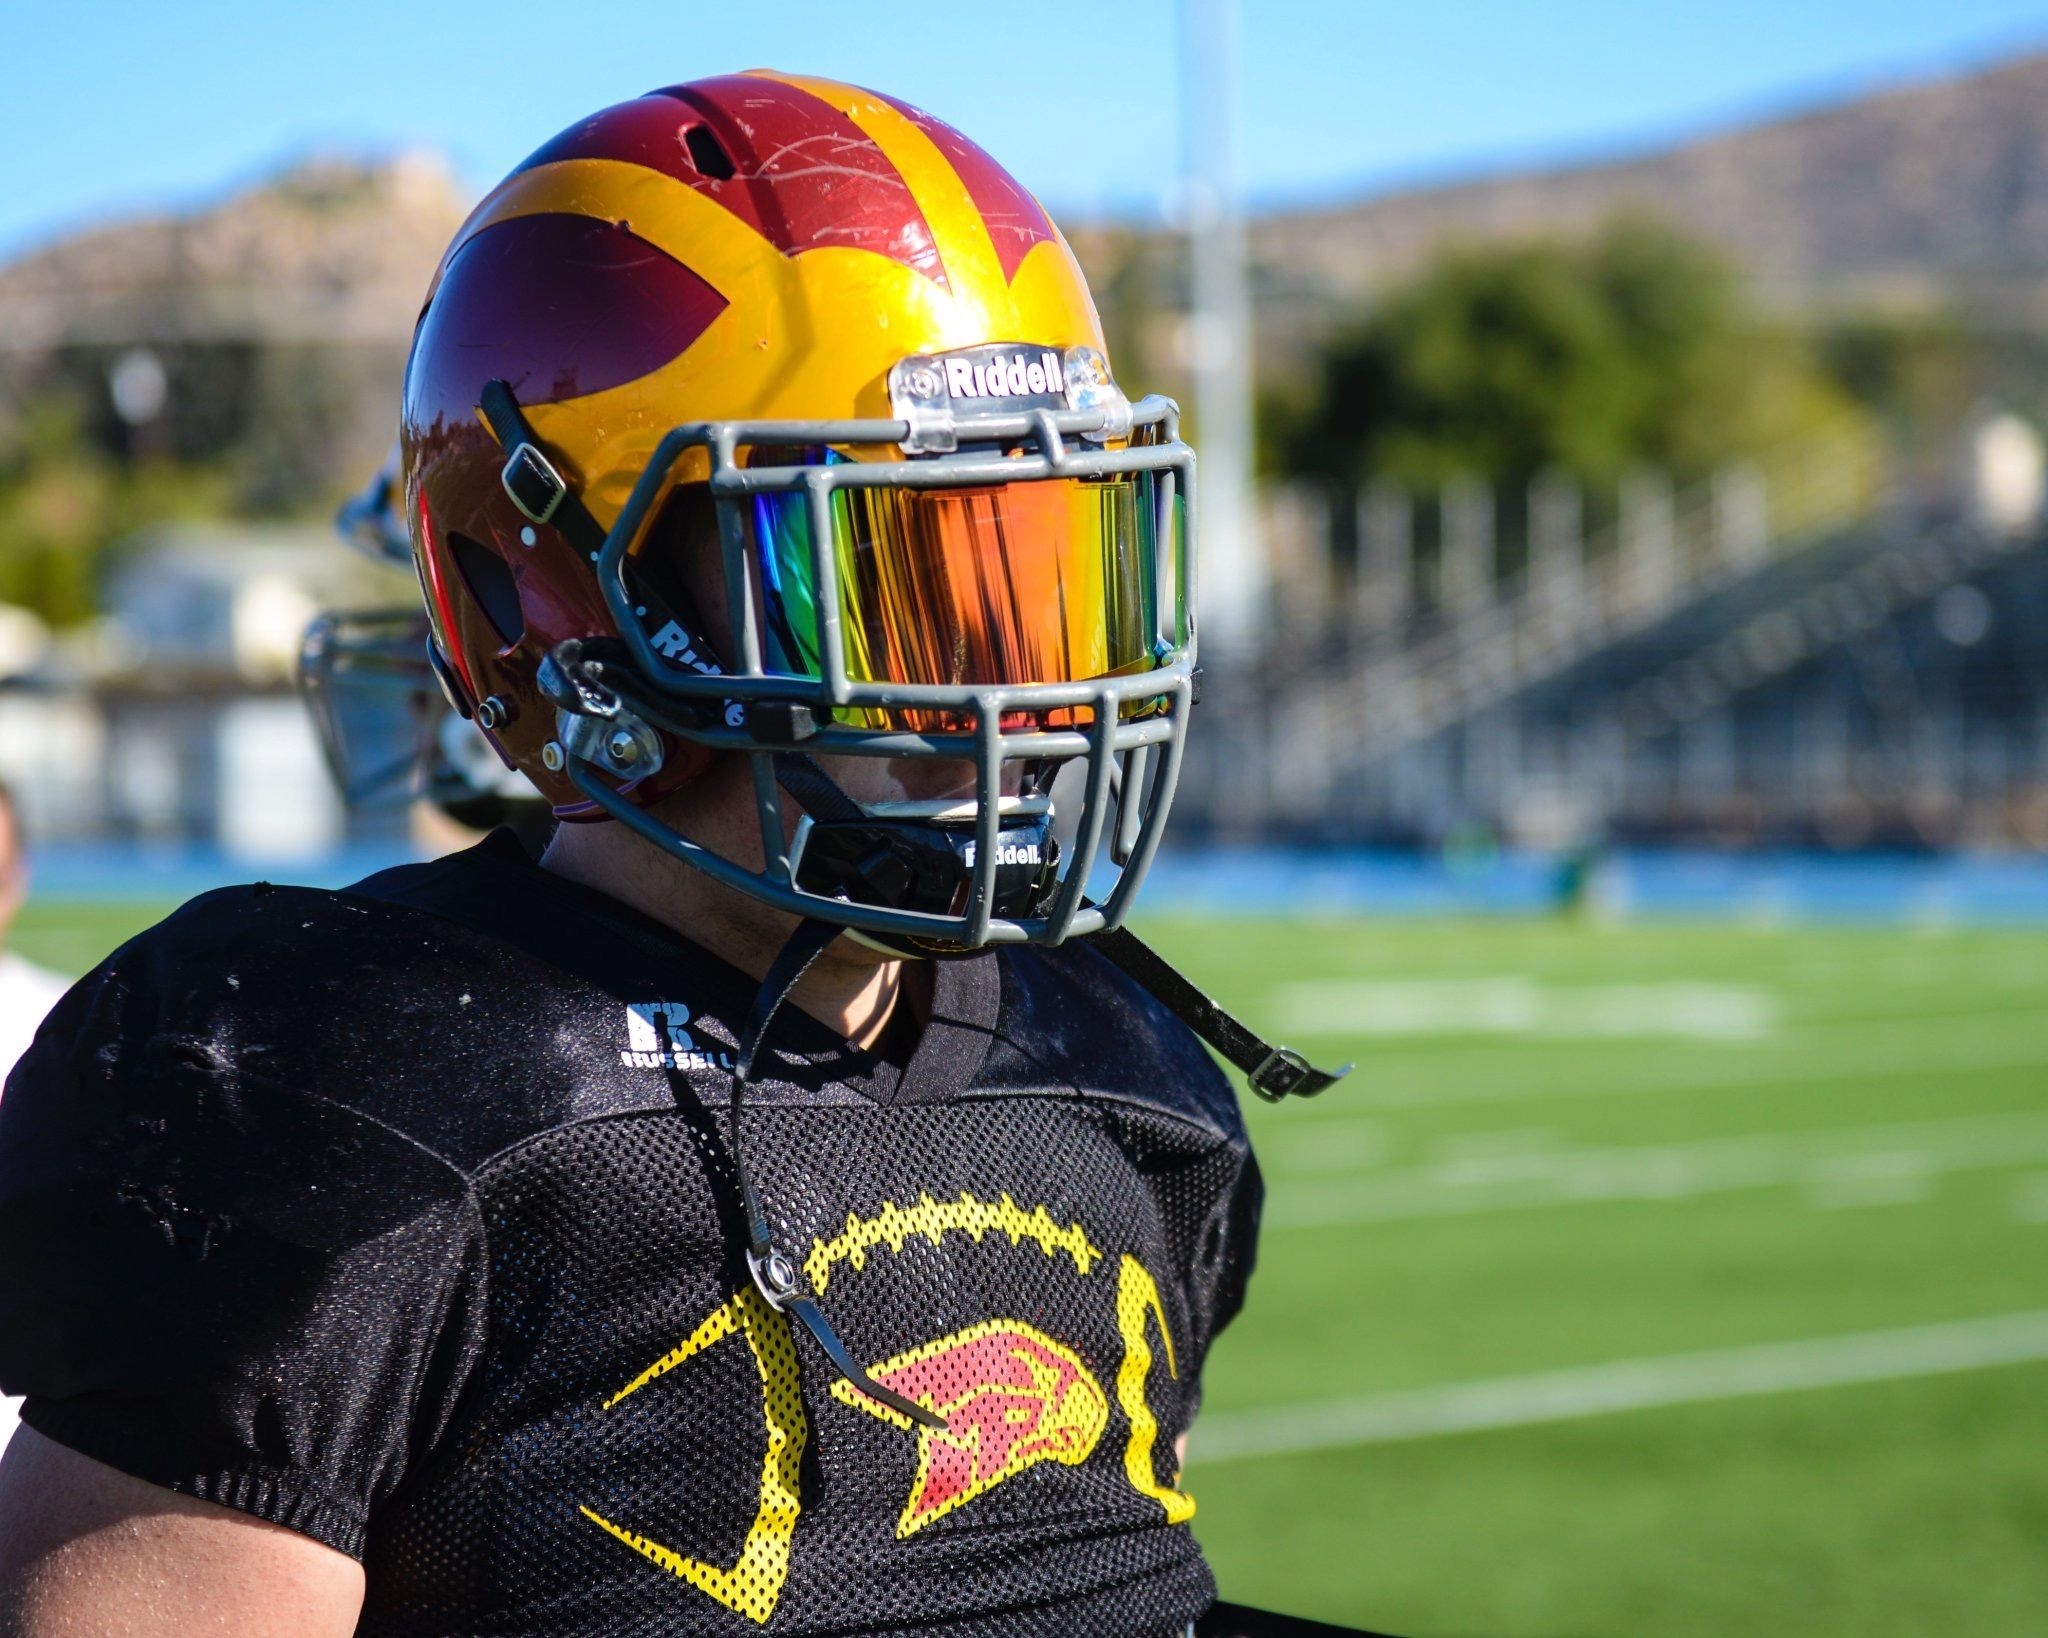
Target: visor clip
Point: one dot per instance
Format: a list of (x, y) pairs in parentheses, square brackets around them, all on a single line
[(930, 430)]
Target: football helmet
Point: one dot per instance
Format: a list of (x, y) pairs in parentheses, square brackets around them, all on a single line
[(768, 416), (384, 728)]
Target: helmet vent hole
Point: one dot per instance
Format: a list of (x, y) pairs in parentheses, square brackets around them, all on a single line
[(491, 582), (707, 154)]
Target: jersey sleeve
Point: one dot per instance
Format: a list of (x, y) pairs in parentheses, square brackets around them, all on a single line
[(215, 1274), (1234, 1232)]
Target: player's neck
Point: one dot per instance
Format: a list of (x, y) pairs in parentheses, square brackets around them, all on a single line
[(848, 989)]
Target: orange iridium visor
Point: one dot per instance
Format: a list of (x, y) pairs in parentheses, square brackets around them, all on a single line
[(1048, 580)]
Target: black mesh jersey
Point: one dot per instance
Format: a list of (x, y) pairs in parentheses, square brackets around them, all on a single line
[(403, 1217)]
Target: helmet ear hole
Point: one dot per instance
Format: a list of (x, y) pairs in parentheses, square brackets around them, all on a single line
[(491, 583), (708, 154)]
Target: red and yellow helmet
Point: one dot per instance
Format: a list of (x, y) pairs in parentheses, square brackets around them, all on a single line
[(834, 325)]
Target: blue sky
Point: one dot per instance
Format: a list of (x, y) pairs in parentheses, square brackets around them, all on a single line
[(117, 106)]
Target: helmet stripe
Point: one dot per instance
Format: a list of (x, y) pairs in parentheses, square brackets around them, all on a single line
[(727, 253), (1015, 221), (948, 204), (819, 178), (516, 301), (786, 162)]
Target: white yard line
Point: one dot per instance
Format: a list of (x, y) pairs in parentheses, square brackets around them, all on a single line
[(1623, 1385), (1520, 1005), (1836, 1164), (1812, 1055)]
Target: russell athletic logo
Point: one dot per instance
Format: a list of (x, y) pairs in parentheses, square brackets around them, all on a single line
[(1011, 1396), (657, 1039)]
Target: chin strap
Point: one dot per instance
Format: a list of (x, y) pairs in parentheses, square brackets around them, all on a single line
[(774, 1273), (815, 790), (541, 493), (530, 479), (1274, 1072)]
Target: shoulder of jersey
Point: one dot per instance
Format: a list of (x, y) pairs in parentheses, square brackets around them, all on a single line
[(456, 1038), (1071, 1011)]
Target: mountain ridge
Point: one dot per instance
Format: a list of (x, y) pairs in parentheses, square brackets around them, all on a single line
[(1919, 191)]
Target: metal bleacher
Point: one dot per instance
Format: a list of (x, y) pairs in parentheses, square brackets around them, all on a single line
[(1639, 679)]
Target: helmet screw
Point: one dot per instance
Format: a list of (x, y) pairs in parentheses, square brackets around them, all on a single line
[(622, 748), (551, 757), (495, 712)]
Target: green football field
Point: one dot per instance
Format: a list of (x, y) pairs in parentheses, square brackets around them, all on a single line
[(1642, 1281)]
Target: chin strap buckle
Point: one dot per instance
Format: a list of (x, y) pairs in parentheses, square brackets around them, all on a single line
[(532, 484), (1272, 1072), (1285, 1073), (774, 1278)]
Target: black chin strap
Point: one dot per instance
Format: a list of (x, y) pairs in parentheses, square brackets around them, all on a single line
[(1274, 1072), (816, 792), (540, 492), (774, 1273), (530, 478)]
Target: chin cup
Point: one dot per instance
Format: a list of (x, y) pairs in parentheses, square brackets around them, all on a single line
[(905, 864)]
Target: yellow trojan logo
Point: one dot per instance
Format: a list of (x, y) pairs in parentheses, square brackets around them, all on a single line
[(751, 1585), (1011, 1396)]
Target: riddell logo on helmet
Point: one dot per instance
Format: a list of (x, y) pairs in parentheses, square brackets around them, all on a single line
[(1010, 853), (673, 643), (1019, 375)]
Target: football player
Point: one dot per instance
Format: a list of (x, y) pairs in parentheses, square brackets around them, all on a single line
[(384, 727), (795, 1204)]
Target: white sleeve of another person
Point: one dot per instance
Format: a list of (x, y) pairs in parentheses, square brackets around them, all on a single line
[(27, 992)]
